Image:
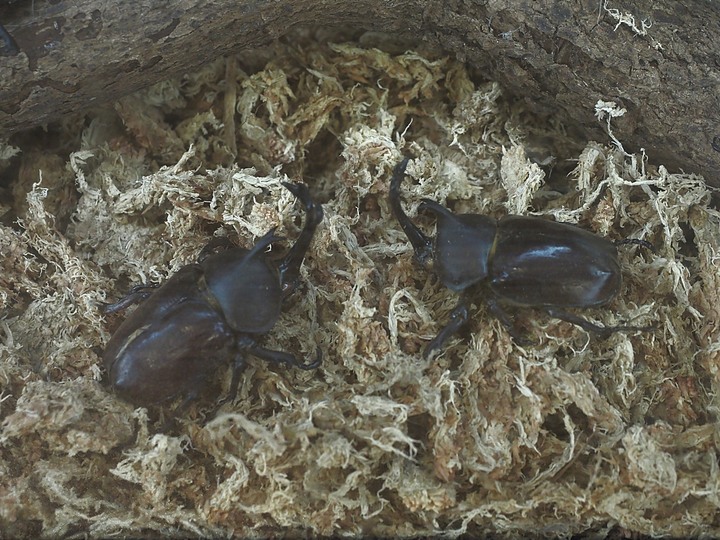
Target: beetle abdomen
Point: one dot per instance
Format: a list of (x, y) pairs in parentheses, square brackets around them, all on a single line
[(544, 263), (171, 355)]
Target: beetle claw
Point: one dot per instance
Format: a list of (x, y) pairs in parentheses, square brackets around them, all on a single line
[(137, 294), (312, 365), (313, 210), (280, 357)]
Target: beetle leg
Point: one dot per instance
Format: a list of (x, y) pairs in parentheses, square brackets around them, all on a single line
[(289, 267), (183, 405), (592, 327), (458, 318), (312, 365), (137, 294), (169, 423), (635, 241), (281, 357), (238, 367), (502, 316), (247, 343), (421, 243)]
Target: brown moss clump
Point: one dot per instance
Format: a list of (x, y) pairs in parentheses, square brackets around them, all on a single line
[(574, 434)]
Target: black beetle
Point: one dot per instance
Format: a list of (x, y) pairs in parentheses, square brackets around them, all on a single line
[(517, 261), (203, 315)]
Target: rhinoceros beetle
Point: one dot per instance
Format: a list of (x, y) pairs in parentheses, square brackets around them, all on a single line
[(517, 261), (202, 316)]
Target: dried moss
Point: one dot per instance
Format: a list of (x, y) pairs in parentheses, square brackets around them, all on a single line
[(572, 435)]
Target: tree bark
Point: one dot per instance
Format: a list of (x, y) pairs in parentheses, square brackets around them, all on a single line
[(658, 59)]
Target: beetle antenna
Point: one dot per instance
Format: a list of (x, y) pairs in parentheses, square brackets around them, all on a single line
[(420, 242), (290, 266)]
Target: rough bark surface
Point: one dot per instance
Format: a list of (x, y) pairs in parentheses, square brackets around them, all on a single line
[(658, 59)]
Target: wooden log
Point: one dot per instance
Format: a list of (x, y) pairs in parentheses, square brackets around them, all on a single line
[(658, 59)]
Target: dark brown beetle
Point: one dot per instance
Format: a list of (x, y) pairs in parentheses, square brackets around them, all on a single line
[(517, 261), (204, 315)]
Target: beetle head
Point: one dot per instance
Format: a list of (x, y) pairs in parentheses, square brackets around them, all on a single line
[(246, 286), (463, 246)]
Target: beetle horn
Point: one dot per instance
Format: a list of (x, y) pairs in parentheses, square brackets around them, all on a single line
[(421, 243), (262, 244), (290, 265)]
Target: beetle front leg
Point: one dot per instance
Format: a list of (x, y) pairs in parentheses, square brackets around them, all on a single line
[(246, 343), (636, 242), (592, 327), (421, 243), (281, 357), (458, 319), (290, 266), (137, 294)]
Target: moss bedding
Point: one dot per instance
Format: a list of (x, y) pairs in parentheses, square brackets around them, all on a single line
[(572, 435)]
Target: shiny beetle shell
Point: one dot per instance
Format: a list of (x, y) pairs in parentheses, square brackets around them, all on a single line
[(517, 261)]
